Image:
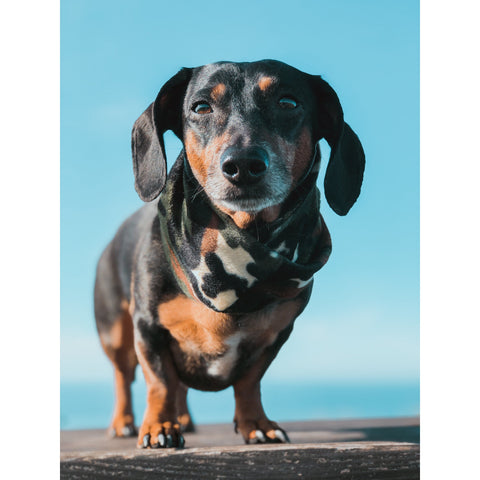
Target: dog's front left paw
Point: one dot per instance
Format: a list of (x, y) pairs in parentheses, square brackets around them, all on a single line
[(160, 435), (261, 431)]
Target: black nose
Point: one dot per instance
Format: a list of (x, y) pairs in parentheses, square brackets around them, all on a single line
[(244, 166)]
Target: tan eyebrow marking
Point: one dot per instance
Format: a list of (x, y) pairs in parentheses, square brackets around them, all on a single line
[(218, 91), (265, 82)]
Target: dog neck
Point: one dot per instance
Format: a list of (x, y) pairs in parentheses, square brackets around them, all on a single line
[(235, 270)]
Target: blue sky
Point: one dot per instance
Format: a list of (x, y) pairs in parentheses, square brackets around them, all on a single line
[(363, 320)]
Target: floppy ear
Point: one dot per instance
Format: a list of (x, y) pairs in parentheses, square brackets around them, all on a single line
[(344, 175), (148, 148)]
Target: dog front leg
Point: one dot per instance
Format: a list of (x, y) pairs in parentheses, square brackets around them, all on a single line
[(250, 418), (160, 428)]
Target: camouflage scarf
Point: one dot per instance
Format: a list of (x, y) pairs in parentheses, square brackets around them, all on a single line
[(228, 268)]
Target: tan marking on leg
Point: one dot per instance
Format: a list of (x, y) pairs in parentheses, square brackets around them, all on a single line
[(248, 405), (249, 413), (160, 414), (120, 350), (123, 412), (184, 418)]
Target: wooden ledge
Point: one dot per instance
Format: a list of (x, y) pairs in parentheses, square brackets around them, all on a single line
[(350, 449)]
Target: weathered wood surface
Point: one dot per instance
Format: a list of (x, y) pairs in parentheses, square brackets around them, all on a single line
[(353, 449)]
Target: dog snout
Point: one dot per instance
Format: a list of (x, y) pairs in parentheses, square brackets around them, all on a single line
[(244, 166)]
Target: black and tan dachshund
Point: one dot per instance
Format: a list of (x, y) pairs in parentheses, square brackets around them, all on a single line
[(202, 285)]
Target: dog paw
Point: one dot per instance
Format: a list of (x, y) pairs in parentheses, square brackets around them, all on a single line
[(261, 431), (122, 427), (186, 423), (160, 435)]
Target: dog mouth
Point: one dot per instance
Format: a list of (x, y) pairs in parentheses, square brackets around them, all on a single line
[(246, 205), (250, 202)]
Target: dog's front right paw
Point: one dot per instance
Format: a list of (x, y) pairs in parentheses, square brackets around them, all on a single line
[(186, 423), (122, 426), (160, 435)]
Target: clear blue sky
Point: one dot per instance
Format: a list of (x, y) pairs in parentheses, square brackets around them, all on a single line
[(363, 320)]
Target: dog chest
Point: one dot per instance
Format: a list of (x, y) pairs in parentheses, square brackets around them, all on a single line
[(213, 341)]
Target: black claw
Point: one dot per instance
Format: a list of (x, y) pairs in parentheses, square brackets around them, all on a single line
[(181, 442), (274, 440), (169, 441), (146, 441), (235, 426), (282, 436)]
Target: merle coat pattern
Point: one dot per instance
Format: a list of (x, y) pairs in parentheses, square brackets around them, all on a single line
[(203, 284)]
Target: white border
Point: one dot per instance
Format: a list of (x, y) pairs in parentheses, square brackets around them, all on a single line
[(450, 239), (29, 250), (29, 39)]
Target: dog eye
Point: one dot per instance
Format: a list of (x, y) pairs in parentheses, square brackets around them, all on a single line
[(287, 102), (202, 108)]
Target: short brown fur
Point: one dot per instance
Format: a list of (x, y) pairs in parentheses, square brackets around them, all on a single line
[(200, 158), (246, 219), (118, 345), (192, 323), (195, 326), (161, 399), (179, 341)]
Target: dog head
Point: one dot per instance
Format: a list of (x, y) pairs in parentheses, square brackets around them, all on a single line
[(250, 132)]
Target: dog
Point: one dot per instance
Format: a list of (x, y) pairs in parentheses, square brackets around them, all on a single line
[(202, 285)]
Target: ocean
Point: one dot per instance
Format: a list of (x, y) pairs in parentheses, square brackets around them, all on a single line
[(90, 405)]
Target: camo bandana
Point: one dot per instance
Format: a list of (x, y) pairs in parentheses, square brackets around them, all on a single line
[(228, 268)]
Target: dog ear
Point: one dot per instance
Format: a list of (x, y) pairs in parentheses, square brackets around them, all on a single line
[(148, 147), (344, 175)]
